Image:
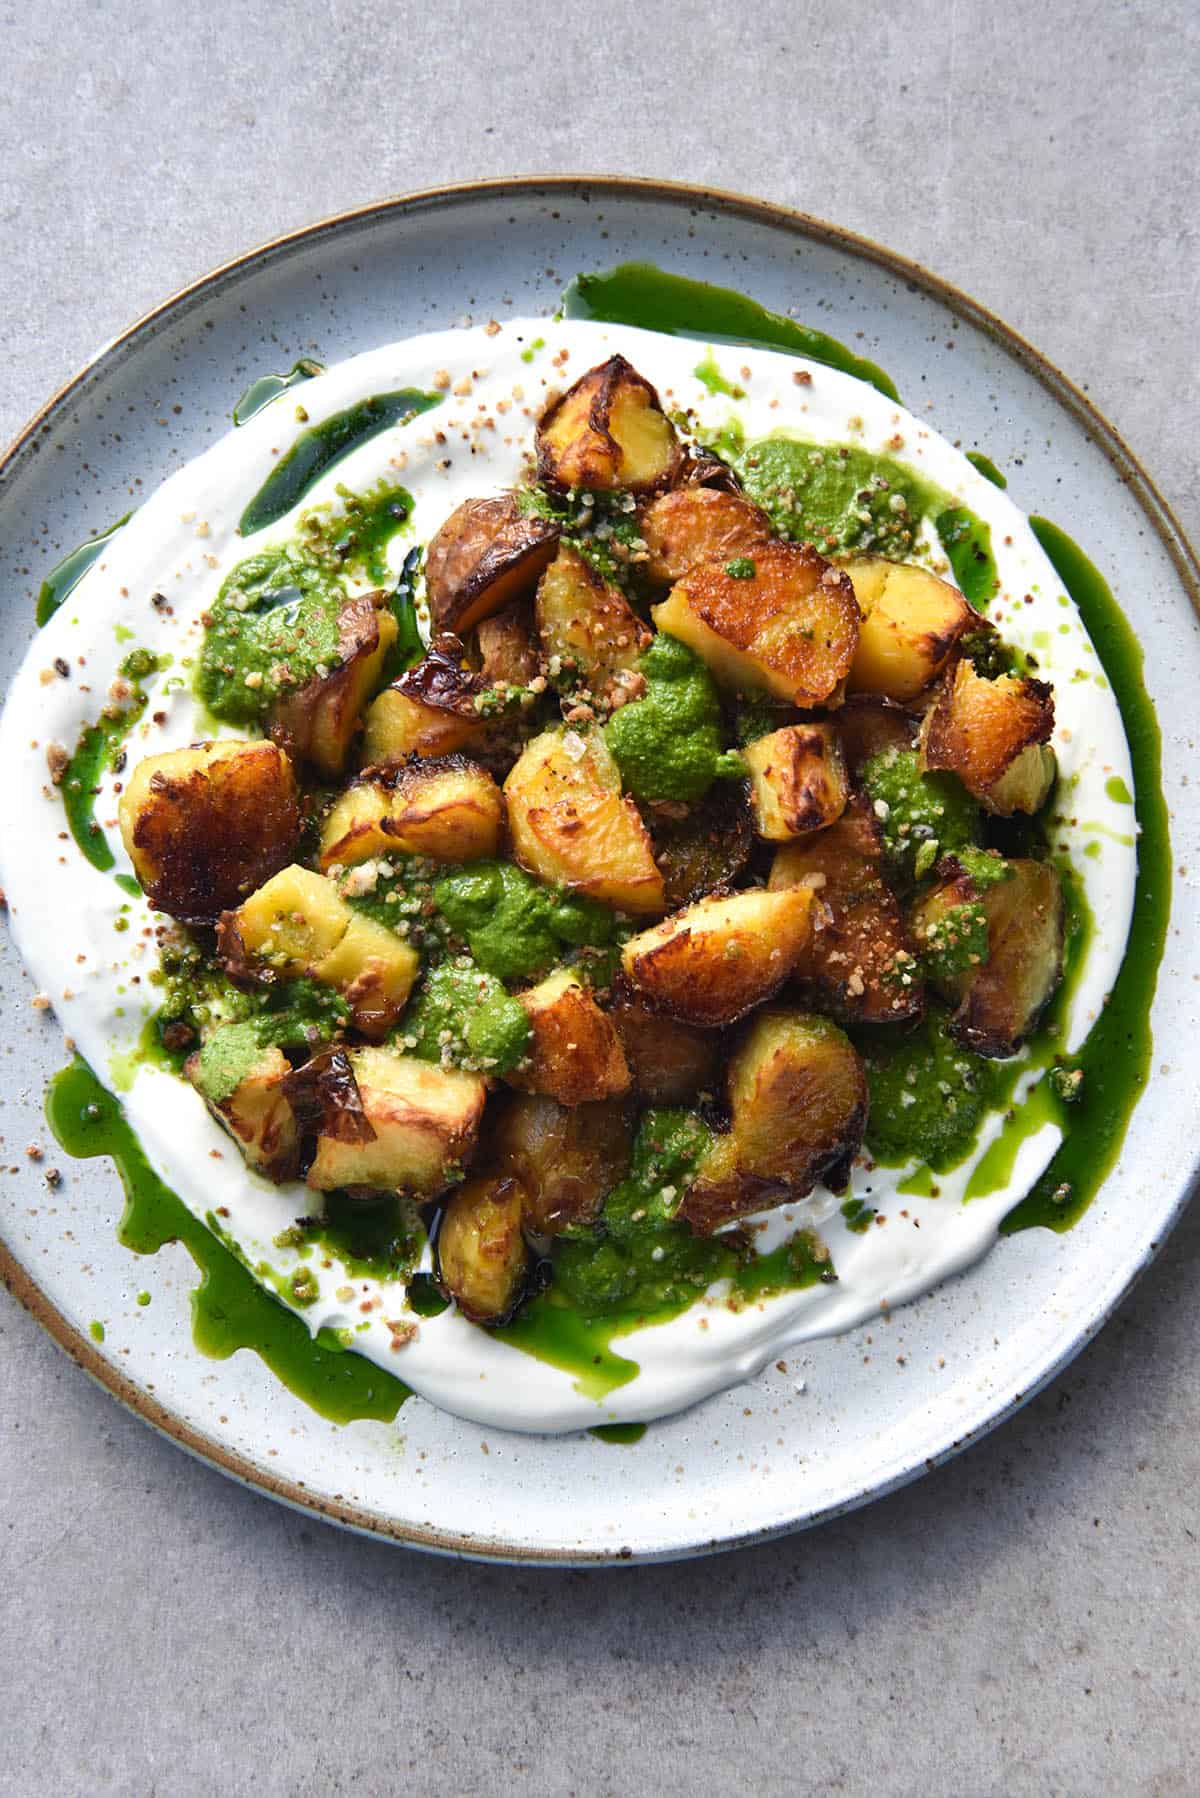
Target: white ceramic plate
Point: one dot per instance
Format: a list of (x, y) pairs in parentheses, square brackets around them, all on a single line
[(846, 1418)]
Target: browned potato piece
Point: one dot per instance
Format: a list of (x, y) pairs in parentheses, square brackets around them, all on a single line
[(488, 553), (859, 962), (704, 468), (317, 723), (570, 826), (798, 1103), (588, 623), (994, 735), (481, 1254), (790, 629), (258, 1116), (507, 651), (716, 960), (670, 1062), (567, 1158), (705, 848), (574, 1054), (425, 1120), (691, 525), (798, 781), (608, 432), (448, 808), (204, 826), (910, 624), (429, 710), (867, 725)]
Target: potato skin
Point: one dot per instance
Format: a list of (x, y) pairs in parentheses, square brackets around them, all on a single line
[(425, 1118), (318, 722), (691, 525), (507, 651), (481, 1255), (670, 1062), (910, 625), (588, 623), (608, 432), (430, 710), (992, 734), (716, 960), (447, 808), (567, 1158), (798, 781), (487, 554), (205, 826), (708, 847)]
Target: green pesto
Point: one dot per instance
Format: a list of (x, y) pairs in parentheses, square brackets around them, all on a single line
[(921, 816), (928, 1095), (260, 393), (355, 538), (986, 868), (195, 993), (956, 941), (380, 1238), (622, 1433), (402, 898), (273, 624), (96, 1330), (514, 927), (754, 716), (742, 568), (1117, 791), (858, 1214), (987, 468), (668, 745), (321, 447), (840, 497), (229, 1056), (66, 575), (462, 1017), (129, 884), (708, 373), (967, 541), (230, 1311), (98, 750), (425, 1297)]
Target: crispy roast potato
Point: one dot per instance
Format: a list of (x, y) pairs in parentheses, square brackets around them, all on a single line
[(994, 734), (790, 629), (425, 1121), (507, 651), (447, 808), (487, 554), (716, 960), (705, 848), (859, 963), (608, 432), (257, 1115), (588, 623), (868, 725), (670, 1062), (575, 1053), (429, 710), (204, 826), (570, 826), (695, 524), (798, 1104), (911, 621), (798, 781), (567, 1158), (481, 1255), (317, 723)]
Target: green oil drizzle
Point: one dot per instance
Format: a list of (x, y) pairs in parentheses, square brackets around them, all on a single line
[(708, 373), (260, 393), (95, 752), (987, 468), (618, 1432), (96, 1330), (1117, 791), (967, 541), (67, 574), (358, 535), (317, 450)]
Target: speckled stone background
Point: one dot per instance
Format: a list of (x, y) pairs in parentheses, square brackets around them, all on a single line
[(1022, 1621)]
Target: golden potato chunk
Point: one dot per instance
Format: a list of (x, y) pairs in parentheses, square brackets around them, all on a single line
[(608, 432), (716, 960), (570, 826), (789, 629), (994, 734), (374, 970), (257, 1114), (567, 1158), (507, 652), (574, 1053), (430, 710), (318, 722), (691, 525), (447, 808), (487, 554), (425, 1119), (798, 781), (910, 623), (798, 1105), (204, 826), (589, 624), (481, 1255), (860, 962), (670, 1062)]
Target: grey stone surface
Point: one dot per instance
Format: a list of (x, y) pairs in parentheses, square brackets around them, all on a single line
[(1022, 1621)]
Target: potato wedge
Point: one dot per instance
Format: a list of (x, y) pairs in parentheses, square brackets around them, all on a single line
[(588, 624), (798, 781), (708, 846), (447, 808), (696, 524), (507, 651), (204, 826), (790, 629), (430, 710), (567, 1158), (716, 960), (570, 826), (425, 1118), (482, 1260), (860, 962), (670, 1062), (318, 722), (487, 554), (574, 1054), (911, 621), (798, 1105), (994, 734), (374, 970), (257, 1114), (608, 432)]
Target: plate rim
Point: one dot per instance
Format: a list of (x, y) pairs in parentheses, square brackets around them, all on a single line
[(1160, 515)]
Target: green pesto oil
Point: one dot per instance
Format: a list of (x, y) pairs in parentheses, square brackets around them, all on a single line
[(357, 536), (260, 393), (626, 1433), (318, 449), (987, 469), (230, 1310), (66, 575), (97, 750)]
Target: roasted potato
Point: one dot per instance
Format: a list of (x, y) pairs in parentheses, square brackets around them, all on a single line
[(567, 1158), (204, 826), (868, 725), (425, 1119), (570, 826), (910, 623), (374, 970), (994, 734), (587, 623), (702, 467), (798, 1107), (487, 554), (608, 432), (447, 808), (860, 962), (716, 960), (798, 781), (507, 651), (789, 629), (430, 710), (705, 848), (670, 1062), (481, 1255), (575, 1053), (695, 524), (257, 1114), (317, 723)]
